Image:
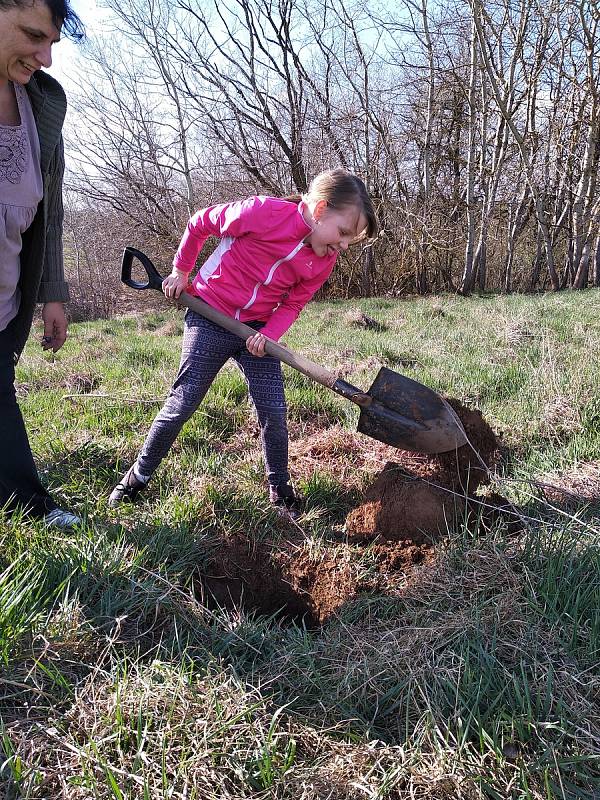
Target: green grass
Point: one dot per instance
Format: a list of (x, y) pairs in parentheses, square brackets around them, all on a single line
[(479, 680)]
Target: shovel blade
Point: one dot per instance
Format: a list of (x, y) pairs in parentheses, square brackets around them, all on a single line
[(410, 416)]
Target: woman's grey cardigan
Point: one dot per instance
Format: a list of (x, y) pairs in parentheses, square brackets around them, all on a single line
[(42, 272)]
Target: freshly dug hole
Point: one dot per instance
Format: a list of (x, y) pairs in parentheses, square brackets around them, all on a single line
[(303, 586), (281, 578), (420, 501), (239, 575)]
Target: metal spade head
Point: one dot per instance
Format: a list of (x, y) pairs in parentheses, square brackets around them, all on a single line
[(409, 416)]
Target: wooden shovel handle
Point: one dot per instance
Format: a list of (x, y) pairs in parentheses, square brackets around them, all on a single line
[(295, 360), (289, 357)]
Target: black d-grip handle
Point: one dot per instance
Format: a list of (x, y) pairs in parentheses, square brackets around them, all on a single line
[(154, 278)]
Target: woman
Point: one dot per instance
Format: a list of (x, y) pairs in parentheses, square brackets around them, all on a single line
[(32, 111)]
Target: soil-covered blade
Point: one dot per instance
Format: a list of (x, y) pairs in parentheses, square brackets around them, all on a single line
[(409, 415)]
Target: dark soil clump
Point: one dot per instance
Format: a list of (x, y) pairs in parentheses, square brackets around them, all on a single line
[(420, 502)]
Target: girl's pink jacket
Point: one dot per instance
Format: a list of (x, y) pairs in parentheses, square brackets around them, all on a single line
[(261, 269)]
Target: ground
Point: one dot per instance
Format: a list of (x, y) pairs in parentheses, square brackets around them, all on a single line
[(404, 516)]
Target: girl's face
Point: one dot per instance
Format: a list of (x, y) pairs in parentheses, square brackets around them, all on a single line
[(27, 34), (333, 230)]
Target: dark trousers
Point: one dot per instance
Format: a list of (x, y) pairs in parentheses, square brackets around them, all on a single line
[(206, 347), (20, 485)]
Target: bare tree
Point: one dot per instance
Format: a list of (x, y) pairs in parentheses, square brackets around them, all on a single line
[(484, 27), (586, 203), (134, 148)]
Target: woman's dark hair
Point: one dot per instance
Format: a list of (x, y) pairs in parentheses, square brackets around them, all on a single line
[(63, 16)]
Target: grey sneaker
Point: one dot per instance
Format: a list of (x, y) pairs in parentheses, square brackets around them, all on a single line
[(285, 498), (127, 490), (64, 520)]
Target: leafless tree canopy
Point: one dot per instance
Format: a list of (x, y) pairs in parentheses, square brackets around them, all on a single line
[(475, 125)]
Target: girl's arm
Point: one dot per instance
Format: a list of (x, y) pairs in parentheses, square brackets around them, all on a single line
[(287, 313), (228, 219)]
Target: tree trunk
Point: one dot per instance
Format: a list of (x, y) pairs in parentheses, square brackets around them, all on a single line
[(466, 285), (536, 266), (368, 266), (597, 262)]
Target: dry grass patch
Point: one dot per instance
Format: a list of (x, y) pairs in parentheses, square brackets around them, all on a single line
[(572, 487), (358, 319), (560, 417), (172, 327), (153, 733), (334, 451), (518, 332)]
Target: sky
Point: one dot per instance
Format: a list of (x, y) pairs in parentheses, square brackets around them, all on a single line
[(64, 53)]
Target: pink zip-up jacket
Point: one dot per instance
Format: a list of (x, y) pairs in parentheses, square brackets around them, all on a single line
[(261, 270)]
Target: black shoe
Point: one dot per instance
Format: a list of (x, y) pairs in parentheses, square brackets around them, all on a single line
[(286, 499), (127, 490)]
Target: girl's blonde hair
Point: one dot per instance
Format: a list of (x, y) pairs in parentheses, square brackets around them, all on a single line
[(340, 189)]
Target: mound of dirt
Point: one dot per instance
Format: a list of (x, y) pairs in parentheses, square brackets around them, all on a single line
[(420, 500), (398, 506)]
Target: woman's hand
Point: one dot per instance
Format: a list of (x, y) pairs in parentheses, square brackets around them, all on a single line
[(175, 283), (256, 344), (55, 326)]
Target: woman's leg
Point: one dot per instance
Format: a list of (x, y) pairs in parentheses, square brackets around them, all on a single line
[(265, 385), (205, 349), (20, 485)]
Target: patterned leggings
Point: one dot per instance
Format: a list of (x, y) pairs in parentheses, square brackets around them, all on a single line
[(206, 347)]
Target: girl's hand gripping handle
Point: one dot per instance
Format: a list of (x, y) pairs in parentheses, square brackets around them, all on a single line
[(175, 283)]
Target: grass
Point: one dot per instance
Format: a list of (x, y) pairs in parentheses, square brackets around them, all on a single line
[(478, 679)]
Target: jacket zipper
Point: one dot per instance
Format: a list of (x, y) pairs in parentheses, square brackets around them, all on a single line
[(267, 280)]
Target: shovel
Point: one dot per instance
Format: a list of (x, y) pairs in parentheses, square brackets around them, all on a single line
[(396, 410)]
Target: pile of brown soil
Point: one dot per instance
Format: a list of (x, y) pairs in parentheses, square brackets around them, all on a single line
[(420, 500)]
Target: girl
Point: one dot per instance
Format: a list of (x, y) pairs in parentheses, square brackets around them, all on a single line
[(273, 256)]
